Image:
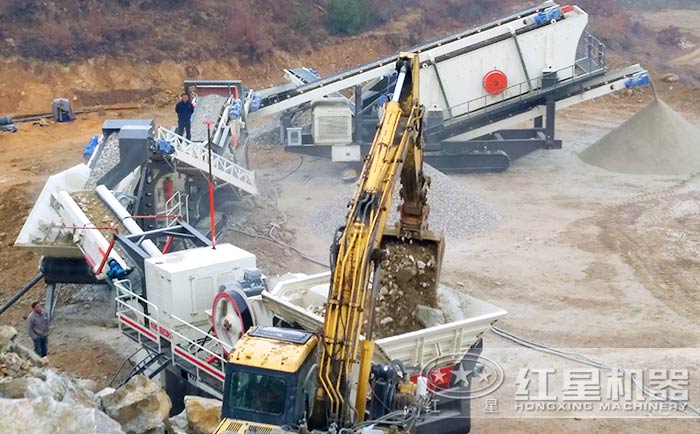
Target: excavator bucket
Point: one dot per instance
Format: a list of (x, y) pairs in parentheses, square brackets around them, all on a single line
[(409, 273)]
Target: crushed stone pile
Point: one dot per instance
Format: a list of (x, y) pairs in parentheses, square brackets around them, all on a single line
[(208, 109), (453, 210), (407, 280), (267, 134), (107, 158), (655, 141)]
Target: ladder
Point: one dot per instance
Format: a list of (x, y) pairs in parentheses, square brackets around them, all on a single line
[(197, 155), (150, 366)]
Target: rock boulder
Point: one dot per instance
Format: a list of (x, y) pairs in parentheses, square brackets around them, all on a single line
[(7, 338), (14, 388), (139, 406), (428, 316), (39, 416), (203, 415)]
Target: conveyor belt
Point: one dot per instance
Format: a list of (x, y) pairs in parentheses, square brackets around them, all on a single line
[(99, 214), (366, 72), (302, 75), (208, 108)]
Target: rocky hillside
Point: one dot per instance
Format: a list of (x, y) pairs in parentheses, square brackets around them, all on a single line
[(35, 397), (157, 30), (139, 51), (192, 30)]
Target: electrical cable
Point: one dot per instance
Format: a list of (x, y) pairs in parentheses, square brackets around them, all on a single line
[(294, 249), (128, 359), (301, 162), (580, 358)]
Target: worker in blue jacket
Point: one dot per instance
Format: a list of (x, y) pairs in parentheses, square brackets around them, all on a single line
[(184, 110)]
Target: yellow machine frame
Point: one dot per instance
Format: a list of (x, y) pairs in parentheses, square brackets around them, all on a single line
[(362, 236)]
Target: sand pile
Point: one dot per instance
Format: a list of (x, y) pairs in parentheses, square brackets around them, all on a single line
[(655, 141)]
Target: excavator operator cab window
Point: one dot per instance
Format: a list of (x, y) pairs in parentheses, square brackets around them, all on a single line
[(259, 393)]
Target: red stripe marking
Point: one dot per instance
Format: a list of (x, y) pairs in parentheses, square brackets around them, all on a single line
[(199, 363), (89, 261), (145, 331), (168, 242)]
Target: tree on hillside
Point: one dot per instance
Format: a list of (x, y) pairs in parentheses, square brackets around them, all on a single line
[(346, 17)]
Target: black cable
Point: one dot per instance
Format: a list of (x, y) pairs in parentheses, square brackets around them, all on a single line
[(122, 366), (301, 161), (21, 292)]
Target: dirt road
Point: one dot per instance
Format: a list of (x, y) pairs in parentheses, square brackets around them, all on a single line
[(583, 258)]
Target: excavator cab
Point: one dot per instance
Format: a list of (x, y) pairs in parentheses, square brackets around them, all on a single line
[(270, 380)]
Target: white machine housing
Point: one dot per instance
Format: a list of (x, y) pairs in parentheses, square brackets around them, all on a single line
[(332, 121), (183, 284), (302, 301), (42, 231)]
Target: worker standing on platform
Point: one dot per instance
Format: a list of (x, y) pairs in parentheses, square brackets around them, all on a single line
[(184, 110), (38, 328)]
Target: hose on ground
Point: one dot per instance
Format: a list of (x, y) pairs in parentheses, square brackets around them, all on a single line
[(273, 240), (580, 358), (21, 292)]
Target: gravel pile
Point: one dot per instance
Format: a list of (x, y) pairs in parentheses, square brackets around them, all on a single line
[(655, 141), (267, 134), (452, 209), (208, 108), (97, 212), (107, 158)]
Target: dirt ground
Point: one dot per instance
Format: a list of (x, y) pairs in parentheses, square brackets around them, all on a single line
[(583, 258)]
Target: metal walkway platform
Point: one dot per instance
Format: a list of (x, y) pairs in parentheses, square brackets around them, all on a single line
[(196, 155)]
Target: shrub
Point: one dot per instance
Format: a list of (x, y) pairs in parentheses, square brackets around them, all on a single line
[(670, 36), (244, 34), (301, 20), (21, 11), (346, 17)]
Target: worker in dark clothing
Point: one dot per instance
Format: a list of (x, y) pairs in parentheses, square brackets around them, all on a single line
[(184, 110), (38, 328)]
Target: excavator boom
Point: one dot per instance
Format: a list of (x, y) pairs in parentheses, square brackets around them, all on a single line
[(271, 370), (396, 154)]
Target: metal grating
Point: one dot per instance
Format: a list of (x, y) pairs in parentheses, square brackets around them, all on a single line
[(288, 335)]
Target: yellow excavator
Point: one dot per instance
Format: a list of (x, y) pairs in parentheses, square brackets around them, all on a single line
[(286, 380)]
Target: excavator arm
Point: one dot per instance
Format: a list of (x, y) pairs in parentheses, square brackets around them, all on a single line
[(396, 154)]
